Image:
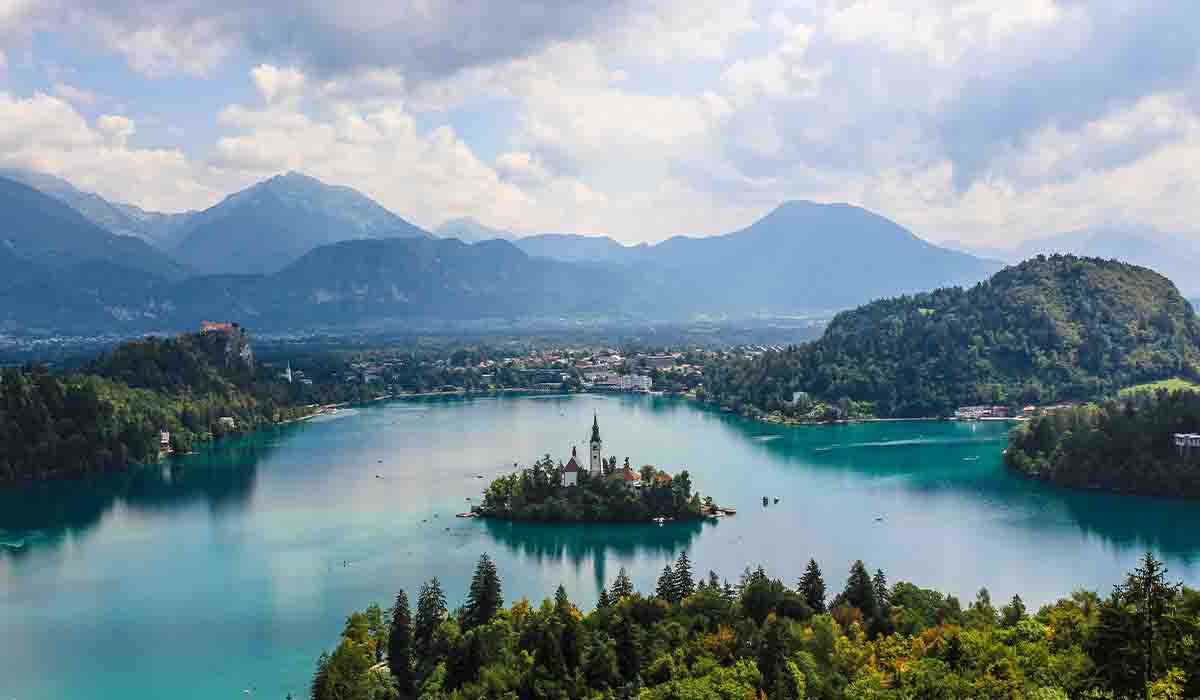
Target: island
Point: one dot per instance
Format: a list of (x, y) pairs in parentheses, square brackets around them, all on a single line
[(601, 492)]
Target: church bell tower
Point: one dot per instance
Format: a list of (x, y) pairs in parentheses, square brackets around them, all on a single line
[(596, 467)]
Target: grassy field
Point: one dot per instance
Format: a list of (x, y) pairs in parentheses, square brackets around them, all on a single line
[(1175, 384)]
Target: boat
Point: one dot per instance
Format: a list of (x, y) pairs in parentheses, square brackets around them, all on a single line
[(466, 515), (728, 511), (777, 499), (765, 501), (660, 520)]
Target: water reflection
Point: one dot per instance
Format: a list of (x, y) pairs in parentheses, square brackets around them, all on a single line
[(594, 543), (43, 515)]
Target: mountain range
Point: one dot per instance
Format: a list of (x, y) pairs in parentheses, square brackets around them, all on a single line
[(293, 252)]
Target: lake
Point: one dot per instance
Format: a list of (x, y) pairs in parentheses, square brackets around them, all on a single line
[(230, 570)]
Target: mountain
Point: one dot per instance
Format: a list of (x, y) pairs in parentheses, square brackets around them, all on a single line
[(269, 225), (46, 232), (122, 219), (468, 230), (1049, 329), (1173, 255), (572, 247), (802, 256)]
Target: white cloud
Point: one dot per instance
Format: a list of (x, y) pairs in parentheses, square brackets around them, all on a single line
[(73, 94), (45, 133), (277, 84)]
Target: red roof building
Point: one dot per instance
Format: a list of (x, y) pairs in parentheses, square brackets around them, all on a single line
[(571, 470)]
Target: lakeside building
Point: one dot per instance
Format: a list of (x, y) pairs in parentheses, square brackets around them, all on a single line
[(978, 412)]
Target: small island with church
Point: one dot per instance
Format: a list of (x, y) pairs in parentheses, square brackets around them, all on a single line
[(604, 491)]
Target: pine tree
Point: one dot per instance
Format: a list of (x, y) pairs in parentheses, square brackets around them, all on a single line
[(603, 601), (685, 585), (666, 585), (714, 581), (484, 598), (883, 599), (400, 647), (1012, 613), (812, 587), (1146, 590), (320, 683), (860, 592), (622, 587), (431, 610)]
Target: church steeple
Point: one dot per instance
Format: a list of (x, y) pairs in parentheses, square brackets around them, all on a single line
[(596, 465)]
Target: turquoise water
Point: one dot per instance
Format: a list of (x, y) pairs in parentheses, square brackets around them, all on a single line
[(230, 570)]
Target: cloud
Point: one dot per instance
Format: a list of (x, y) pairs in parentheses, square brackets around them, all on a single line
[(46, 133), (423, 39), (73, 94), (275, 84)]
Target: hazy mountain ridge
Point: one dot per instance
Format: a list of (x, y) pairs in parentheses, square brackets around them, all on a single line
[(265, 227), (468, 230), (156, 228), (46, 232)]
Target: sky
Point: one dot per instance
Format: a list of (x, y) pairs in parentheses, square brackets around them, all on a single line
[(984, 121)]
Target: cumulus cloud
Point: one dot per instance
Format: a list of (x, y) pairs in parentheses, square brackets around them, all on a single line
[(277, 84), (73, 94), (46, 133)]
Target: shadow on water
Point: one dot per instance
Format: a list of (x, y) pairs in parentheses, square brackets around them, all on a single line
[(594, 543), (221, 475)]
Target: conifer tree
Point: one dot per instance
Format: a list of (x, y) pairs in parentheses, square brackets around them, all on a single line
[(431, 610), (484, 598), (812, 587), (320, 683), (400, 640), (1012, 613), (666, 585), (882, 597), (622, 587), (685, 585), (860, 591), (603, 602)]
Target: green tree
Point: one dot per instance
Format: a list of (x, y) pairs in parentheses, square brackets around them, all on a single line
[(666, 586), (400, 642), (812, 587), (431, 610), (484, 598), (685, 584), (860, 591), (623, 586)]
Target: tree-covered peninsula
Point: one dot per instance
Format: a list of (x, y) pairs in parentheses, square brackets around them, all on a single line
[(618, 494), (1126, 444), (112, 412), (762, 639), (1051, 329)]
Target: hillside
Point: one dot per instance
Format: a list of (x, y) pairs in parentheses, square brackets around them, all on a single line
[(46, 232), (1050, 329), (108, 416), (570, 247), (265, 227), (1125, 444)]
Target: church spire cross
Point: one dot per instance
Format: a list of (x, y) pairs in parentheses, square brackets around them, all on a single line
[(595, 428)]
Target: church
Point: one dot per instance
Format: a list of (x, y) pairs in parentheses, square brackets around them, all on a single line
[(597, 465)]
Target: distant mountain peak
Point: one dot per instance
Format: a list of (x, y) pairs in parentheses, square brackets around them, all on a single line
[(266, 226)]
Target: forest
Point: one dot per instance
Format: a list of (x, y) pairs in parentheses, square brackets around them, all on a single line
[(763, 639), (1124, 444), (1051, 329), (538, 493), (108, 414)]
